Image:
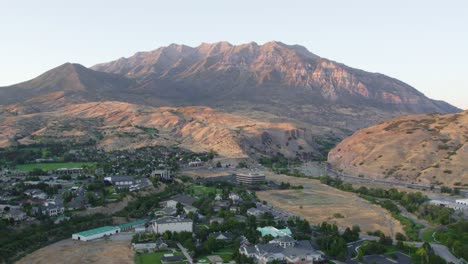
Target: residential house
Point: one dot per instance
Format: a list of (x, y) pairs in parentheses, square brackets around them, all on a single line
[(36, 194), (223, 236), (284, 249)]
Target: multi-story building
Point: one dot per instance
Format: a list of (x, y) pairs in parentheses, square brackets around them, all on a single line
[(173, 224), (250, 178)]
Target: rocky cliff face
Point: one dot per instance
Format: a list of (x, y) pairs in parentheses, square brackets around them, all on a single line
[(279, 98), (263, 73), (427, 149)]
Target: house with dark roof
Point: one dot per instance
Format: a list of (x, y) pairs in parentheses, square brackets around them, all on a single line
[(283, 249), (224, 236), (183, 199)]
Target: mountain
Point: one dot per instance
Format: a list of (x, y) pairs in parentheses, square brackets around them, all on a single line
[(428, 149), (63, 85), (221, 73), (267, 85)]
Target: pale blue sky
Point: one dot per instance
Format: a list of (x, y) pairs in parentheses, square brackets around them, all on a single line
[(423, 43)]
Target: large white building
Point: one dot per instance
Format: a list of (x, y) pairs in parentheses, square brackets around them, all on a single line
[(173, 224), (96, 233), (250, 178)]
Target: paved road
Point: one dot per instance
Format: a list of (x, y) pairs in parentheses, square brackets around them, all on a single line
[(444, 252), (439, 250), (186, 254), (391, 183)]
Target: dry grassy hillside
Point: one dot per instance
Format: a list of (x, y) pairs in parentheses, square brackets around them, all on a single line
[(118, 125), (427, 149)]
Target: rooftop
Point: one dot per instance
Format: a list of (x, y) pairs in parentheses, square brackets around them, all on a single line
[(96, 231), (170, 219), (274, 232), (132, 224)]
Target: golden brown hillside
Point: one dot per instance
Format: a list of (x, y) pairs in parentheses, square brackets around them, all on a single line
[(118, 125), (427, 149)]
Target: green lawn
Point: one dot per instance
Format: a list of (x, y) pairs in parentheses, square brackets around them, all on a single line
[(153, 258), (225, 254), (427, 235), (53, 166), (199, 190)]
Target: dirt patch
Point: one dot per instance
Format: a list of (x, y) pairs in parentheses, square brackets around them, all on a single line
[(318, 202), (78, 252)]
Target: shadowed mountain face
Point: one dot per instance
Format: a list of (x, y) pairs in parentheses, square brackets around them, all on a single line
[(427, 149), (268, 85)]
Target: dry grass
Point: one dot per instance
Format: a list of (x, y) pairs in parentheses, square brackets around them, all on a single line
[(76, 252), (318, 203)]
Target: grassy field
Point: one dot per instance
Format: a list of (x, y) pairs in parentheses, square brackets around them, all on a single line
[(427, 235), (203, 190), (152, 258), (225, 254), (318, 203), (53, 166)]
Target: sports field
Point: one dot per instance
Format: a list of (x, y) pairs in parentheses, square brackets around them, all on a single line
[(53, 166)]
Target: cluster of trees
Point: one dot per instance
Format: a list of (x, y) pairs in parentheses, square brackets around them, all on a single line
[(411, 201), (435, 214), (279, 163), (287, 185), (15, 243), (142, 205), (455, 237), (446, 189), (333, 243)]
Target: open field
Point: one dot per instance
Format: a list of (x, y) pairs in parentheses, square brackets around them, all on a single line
[(77, 252), (53, 166), (199, 190), (152, 258), (318, 202), (205, 173), (225, 254)]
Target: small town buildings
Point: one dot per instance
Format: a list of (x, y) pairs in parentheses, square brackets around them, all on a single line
[(96, 233), (250, 178), (190, 209), (120, 181), (52, 208), (149, 247), (462, 201), (197, 163), (218, 220), (448, 204), (36, 193), (164, 175), (234, 197), (254, 212), (173, 224), (274, 232), (69, 171), (183, 199)]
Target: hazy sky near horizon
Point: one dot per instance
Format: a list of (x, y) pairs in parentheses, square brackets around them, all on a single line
[(423, 43)]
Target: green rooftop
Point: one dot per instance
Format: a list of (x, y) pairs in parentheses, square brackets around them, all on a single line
[(132, 224), (96, 231), (274, 232)]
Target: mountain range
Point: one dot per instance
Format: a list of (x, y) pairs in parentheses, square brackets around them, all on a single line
[(240, 100)]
